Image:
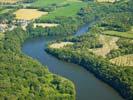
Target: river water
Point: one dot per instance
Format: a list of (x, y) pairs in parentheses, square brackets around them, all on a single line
[(87, 86)]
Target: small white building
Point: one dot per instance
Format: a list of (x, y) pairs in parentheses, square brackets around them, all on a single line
[(3, 27)]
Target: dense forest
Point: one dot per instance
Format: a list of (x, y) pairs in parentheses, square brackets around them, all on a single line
[(24, 78)]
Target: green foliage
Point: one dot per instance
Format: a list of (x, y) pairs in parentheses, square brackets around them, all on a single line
[(24, 78), (67, 26), (125, 47)]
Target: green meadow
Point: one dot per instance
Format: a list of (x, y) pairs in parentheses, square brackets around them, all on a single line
[(2, 11), (128, 34), (45, 3), (68, 11)]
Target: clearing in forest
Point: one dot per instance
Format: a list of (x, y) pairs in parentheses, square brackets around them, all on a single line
[(29, 14), (60, 45), (109, 43), (44, 25), (126, 60)]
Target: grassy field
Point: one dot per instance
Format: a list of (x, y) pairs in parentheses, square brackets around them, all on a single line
[(2, 11), (128, 34), (45, 3), (67, 11), (29, 14), (126, 60)]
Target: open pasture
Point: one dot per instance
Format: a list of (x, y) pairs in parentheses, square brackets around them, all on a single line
[(68, 11)]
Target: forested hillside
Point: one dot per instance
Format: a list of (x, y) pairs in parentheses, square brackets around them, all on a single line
[(24, 78)]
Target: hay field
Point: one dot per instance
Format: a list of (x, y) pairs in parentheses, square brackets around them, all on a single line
[(60, 45), (44, 25), (126, 60), (109, 43), (29, 14)]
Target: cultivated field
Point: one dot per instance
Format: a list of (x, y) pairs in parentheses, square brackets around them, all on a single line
[(45, 25), (109, 43), (60, 45), (126, 60), (29, 14)]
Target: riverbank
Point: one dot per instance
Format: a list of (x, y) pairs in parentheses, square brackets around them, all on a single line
[(87, 86), (109, 73)]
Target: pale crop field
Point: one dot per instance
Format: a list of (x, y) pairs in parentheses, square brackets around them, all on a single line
[(29, 14), (109, 1), (109, 43), (126, 60), (9, 1)]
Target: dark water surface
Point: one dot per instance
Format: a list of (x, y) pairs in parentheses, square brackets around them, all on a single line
[(87, 86)]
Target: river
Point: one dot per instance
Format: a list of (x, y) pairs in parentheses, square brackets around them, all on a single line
[(88, 87)]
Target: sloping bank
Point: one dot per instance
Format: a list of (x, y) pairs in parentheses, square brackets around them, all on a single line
[(118, 77), (22, 78)]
